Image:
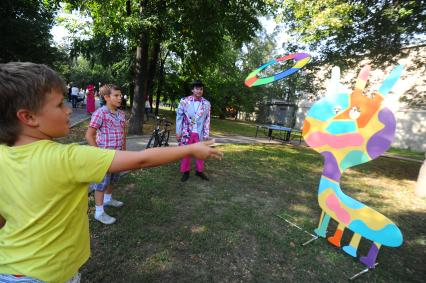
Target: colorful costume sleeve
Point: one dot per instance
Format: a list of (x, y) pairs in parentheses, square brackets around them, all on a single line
[(206, 126), (179, 117)]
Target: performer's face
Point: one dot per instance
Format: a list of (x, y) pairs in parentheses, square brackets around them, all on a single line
[(197, 91)]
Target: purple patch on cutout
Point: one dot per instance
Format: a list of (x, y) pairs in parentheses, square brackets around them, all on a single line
[(331, 168), (370, 259), (382, 140)]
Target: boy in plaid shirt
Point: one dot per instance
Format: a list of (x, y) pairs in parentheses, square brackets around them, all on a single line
[(107, 130), (44, 229)]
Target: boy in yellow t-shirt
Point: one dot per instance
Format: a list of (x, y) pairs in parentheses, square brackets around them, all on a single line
[(44, 233)]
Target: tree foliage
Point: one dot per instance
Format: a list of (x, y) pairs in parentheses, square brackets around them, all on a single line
[(25, 31), (194, 31), (339, 30)]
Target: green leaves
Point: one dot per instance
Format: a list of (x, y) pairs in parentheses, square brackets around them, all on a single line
[(25, 31), (342, 28)]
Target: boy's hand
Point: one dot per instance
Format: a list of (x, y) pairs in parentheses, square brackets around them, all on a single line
[(202, 150)]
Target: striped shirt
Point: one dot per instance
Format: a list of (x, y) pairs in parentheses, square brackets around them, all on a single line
[(110, 127)]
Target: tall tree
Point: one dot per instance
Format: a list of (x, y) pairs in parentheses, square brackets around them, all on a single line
[(193, 30), (25, 31), (342, 29)]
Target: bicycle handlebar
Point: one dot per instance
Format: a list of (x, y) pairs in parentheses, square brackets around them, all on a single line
[(161, 120)]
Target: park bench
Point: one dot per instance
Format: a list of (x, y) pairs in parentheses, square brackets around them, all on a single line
[(284, 133)]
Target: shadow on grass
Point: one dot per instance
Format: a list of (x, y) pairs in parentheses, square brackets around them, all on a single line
[(226, 230)]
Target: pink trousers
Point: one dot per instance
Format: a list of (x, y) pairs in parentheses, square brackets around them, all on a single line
[(185, 164)]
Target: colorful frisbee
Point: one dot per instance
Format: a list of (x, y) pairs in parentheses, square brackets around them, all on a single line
[(301, 60)]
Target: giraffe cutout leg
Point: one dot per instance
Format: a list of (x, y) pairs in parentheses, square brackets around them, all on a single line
[(322, 227), (370, 259), (335, 239), (353, 245)]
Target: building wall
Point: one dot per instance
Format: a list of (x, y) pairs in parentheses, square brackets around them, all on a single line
[(407, 98), (410, 129), (410, 126)]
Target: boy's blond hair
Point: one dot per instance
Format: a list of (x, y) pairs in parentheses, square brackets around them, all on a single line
[(106, 90)]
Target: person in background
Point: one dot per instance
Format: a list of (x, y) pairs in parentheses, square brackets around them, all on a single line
[(69, 91), (107, 130), (192, 126), (123, 102), (44, 228), (74, 95), (147, 108), (90, 99)]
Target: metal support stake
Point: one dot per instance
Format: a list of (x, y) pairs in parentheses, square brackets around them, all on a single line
[(313, 237), (362, 272)]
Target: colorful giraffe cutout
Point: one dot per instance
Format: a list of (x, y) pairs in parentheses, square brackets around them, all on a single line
[(349, 128)]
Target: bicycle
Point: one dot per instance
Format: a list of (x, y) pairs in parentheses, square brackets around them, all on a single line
[(160, 137)]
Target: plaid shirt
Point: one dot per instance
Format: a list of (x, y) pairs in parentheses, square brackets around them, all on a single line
[(110, 128)]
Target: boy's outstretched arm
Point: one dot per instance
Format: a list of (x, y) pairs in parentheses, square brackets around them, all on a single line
[(127, 160)]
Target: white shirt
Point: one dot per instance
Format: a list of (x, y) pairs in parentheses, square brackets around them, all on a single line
[(196, 105), (74, 91)]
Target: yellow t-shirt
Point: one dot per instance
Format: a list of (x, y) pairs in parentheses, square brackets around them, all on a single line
[(43, 197)]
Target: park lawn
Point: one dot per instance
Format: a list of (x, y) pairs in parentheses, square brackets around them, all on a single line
[(76, 133), (227, 229), (407, 153), (221, 127)]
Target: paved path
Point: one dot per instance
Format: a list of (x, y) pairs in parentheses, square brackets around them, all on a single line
[(139, 142), (79, 114)]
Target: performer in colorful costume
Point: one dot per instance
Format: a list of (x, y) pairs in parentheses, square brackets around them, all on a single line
[(193, 125)]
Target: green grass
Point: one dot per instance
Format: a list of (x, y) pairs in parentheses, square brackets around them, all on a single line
[(76, 133), (219, 126), (232, 127), (227, 229), (407, 153), (225, 127)]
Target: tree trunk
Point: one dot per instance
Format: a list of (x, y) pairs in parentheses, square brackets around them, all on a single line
[(421, 181), (160, 83), (141, 68), (131, 92), (152, 71)]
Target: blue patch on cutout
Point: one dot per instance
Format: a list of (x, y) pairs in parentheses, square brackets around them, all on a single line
[(341, 127), (353, 158), (324, 109)]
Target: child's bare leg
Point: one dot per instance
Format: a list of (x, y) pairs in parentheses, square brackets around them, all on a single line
[(99, 212), (109, 189), (108, 200), (99, 198)]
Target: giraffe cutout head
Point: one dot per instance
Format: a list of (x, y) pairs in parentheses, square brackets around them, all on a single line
[(349, 128)]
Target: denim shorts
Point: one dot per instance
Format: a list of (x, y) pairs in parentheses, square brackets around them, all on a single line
[(7, 278), (110, 178)]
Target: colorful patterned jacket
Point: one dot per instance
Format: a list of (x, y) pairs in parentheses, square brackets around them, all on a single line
[(185, 112)]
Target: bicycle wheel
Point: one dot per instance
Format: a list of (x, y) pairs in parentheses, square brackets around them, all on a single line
[(157, 141), (160, 138), (166, 139), (150, 142)]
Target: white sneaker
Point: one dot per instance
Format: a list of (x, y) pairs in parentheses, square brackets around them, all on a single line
[(114, 203), (105, 218)]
